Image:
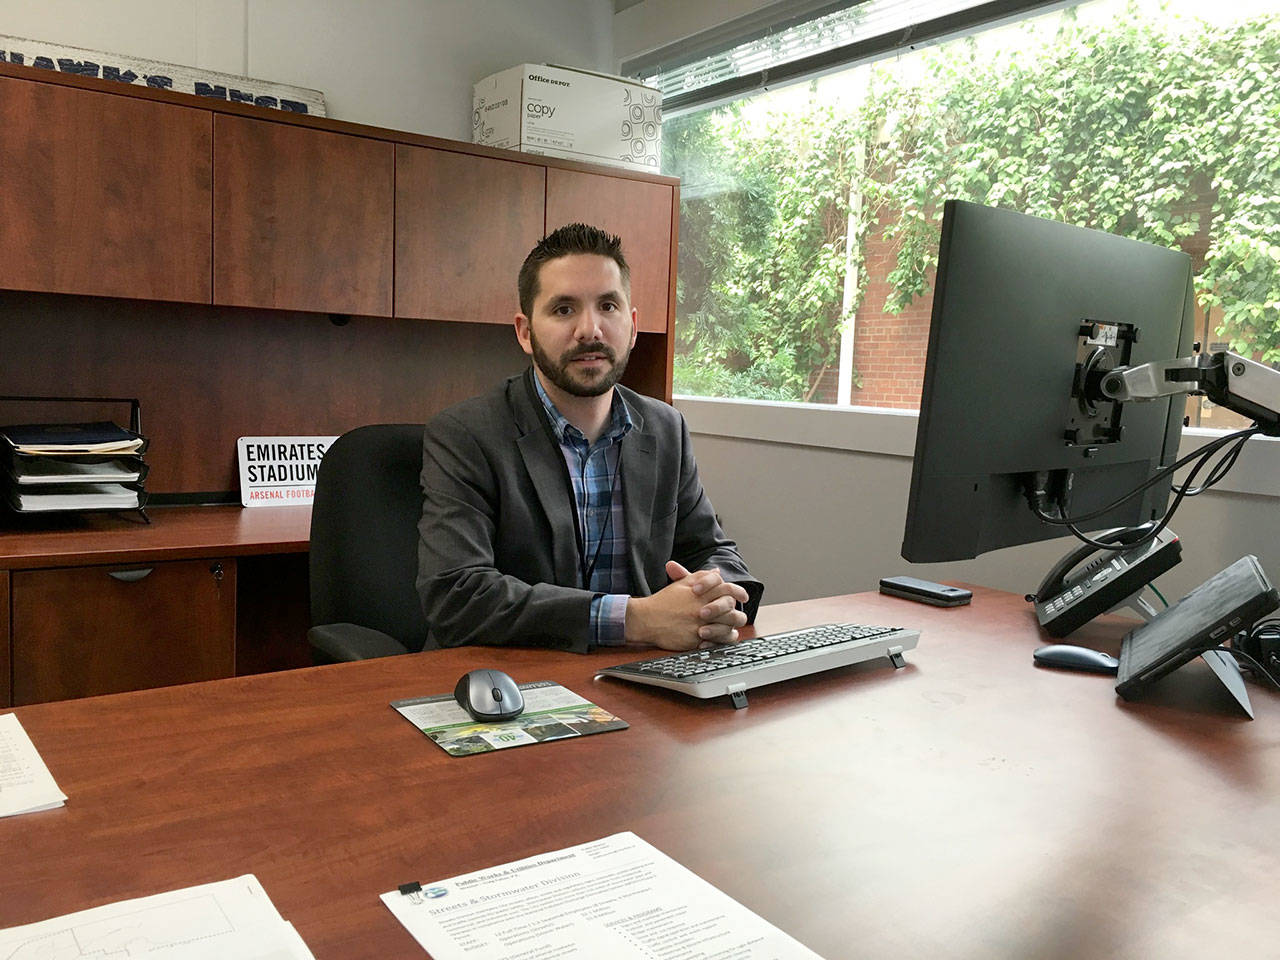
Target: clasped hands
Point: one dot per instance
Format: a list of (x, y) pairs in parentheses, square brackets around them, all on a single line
[(694, 609)]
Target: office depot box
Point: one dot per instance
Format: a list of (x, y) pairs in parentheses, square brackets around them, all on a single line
[(564, 112)]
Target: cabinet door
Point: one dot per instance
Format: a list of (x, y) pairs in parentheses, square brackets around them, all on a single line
[(103, 194), (637, 211), (463, 227), (85, 631), (302, 218)]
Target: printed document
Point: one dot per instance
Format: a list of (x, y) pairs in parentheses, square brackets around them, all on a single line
[(618, 897), (550, 713), (25, 782), (231, 918), (78, 496)]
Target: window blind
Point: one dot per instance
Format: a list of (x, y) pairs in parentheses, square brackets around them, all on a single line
[(786, 51)]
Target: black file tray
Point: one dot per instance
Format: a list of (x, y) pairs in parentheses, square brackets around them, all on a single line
[(16, 461)]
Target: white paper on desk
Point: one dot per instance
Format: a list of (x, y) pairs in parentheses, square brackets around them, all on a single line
[(25, 782), (195, 923), (269, 941), (618, 897)]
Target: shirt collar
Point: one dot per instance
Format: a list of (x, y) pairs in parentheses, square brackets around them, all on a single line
[(620, 422)]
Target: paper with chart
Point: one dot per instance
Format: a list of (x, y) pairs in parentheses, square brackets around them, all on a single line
[(618, 898), (231, 918), (25, 782)]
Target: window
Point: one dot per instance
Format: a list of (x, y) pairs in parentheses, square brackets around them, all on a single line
[(809, 213)]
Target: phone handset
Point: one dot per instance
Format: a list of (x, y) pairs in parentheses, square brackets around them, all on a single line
[(1071, 595), (1055, 580)]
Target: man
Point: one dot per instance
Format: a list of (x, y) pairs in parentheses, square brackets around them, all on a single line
[(562, 509)]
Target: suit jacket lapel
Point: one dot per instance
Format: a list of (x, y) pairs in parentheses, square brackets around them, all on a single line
[(544, 463)]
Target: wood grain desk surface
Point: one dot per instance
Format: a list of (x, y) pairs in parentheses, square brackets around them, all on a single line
[(969, 806), (174, 533)]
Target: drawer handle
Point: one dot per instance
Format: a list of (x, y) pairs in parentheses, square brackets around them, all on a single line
[(129, 576)]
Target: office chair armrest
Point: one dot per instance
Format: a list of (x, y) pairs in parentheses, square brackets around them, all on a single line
[(340, 642)]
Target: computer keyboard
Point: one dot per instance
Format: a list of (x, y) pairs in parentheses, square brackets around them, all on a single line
[(732, 669)]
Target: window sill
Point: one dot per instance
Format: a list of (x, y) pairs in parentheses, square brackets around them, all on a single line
[(893, 433)]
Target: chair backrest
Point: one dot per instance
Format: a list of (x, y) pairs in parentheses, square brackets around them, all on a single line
[(364, 532)]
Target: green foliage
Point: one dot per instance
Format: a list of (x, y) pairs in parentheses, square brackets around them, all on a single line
[(1131, 127), (770, 381), (762, 267), (1166, 135)]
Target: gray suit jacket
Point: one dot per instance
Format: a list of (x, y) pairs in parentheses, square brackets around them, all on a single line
[(498, 550)]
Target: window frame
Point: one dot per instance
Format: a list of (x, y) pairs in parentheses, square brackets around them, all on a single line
[(860, 429)]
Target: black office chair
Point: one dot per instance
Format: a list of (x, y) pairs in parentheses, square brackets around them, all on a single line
[(364, 546)]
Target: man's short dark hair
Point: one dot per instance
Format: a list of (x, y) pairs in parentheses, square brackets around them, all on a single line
[(573, 238)]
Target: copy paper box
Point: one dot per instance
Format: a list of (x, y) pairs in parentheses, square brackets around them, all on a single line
[(564, 112)]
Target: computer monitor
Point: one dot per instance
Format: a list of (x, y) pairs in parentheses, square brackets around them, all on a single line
[(1027, 316)]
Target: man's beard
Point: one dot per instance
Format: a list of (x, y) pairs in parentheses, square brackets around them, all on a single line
[(560, 373)]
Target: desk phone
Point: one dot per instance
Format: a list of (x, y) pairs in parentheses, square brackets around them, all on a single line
[(1070, 597)]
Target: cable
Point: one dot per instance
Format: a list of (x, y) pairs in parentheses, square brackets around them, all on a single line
[(1212, 447), (1253, 664), (1201, 458), (1157, 592), (1270, 626), (1150, 535), (1221, 469), (1202, 455)]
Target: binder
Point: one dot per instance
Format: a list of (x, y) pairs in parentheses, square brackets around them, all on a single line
[(72, 439)]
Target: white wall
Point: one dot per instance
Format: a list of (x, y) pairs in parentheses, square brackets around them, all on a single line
[(403, 64), (817, 520)]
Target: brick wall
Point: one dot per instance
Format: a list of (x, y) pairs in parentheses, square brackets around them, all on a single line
[(889, 349)]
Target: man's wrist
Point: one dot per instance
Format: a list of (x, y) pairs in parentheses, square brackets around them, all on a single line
[(635, 633)]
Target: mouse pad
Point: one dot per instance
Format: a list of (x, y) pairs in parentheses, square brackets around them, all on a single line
[(551, 712)]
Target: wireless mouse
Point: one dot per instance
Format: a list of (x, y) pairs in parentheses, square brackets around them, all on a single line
[(1071, 657), (489, 695)]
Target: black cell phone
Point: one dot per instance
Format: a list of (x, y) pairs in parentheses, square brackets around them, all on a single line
[(925, 591)]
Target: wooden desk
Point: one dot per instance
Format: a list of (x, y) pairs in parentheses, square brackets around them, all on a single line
[(175, 533), (971, 805)]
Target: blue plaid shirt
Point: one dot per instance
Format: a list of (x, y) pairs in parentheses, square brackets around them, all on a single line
[(597, 495)]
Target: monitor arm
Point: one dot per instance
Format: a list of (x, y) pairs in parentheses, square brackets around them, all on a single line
[(1228, 379)]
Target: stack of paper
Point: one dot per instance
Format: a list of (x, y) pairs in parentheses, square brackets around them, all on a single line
[(231, 918), (617, 897), (72, 466), (25, 782)]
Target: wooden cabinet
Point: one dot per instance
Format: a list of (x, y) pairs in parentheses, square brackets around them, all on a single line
[(640, 213), (103, 195), (302, 218), (79, 632), (131, 219), (226, 595), (464, 225)]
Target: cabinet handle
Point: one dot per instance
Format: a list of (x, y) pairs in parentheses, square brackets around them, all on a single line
[(216, 570), (129, 576)]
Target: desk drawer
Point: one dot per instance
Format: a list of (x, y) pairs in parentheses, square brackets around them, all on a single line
[(80, 632)]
